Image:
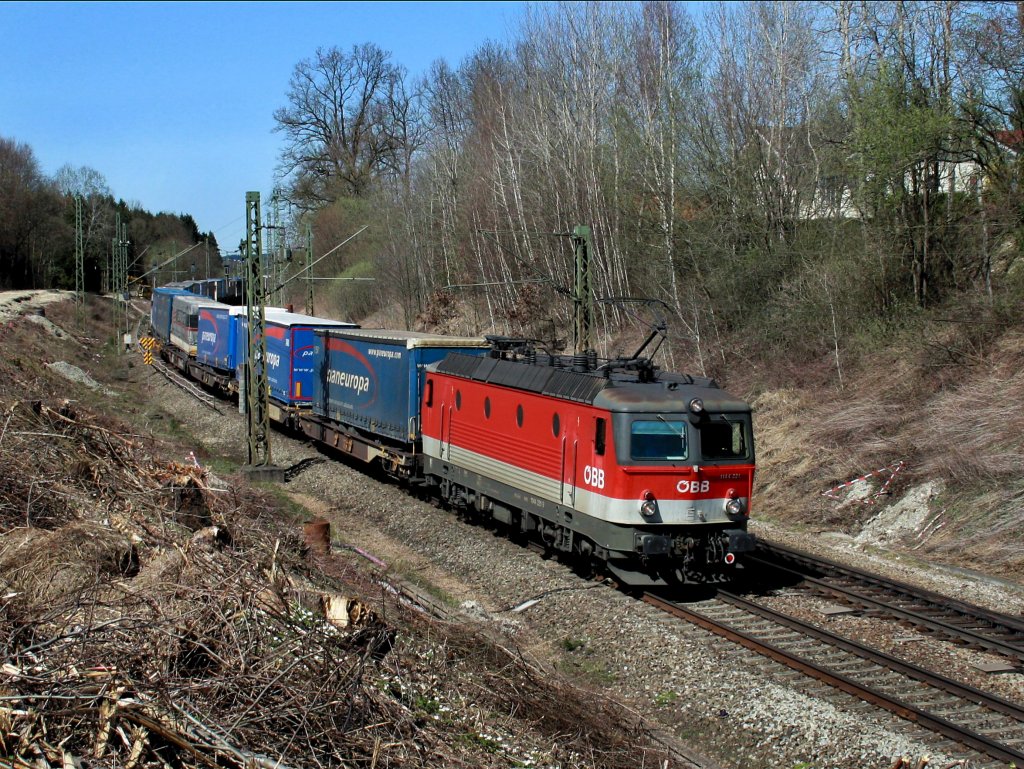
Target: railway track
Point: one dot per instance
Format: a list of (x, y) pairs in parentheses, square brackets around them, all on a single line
[(954, 620), (981, 722), (191, 388)]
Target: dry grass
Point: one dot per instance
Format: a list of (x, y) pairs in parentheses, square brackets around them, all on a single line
[(46, 567), (976, 429), (957, 417)]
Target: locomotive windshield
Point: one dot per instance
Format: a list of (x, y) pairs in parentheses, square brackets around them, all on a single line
[(662, 439), (724, 437)]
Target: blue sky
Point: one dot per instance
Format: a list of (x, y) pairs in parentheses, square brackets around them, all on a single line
[(173, 102)]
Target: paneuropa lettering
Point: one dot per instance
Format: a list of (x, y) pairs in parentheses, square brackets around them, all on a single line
[(351, 381)]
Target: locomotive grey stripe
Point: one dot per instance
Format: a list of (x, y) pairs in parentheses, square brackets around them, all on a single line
[(604, 508)]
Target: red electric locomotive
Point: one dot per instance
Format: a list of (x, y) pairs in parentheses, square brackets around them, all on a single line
[(648, 472)]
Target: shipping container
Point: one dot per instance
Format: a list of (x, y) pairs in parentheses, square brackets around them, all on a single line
[(291, 339), (373, 380), (216, 346), (240, 335), (240, 331), (290, 343), (160, 311), (234, 291), (186, 285), (213, 288), (185, 309)]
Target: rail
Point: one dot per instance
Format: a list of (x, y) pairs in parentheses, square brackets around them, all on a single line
[(915, 694), (957, 620)]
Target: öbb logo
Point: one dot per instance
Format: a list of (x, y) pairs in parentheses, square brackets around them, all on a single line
[(693, 487), (593, 476)]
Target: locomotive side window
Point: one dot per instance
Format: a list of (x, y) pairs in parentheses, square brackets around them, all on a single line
[(725, 439), (487, 407), (661, 439), (519, 415), (458, 400), (599, 436), (430, 393), (556, 425)]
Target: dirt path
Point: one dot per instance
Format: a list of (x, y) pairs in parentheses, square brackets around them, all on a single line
[(349, 529), (14, 303)]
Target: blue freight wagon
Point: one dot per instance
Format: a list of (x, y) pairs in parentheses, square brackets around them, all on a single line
[(290, 342), (216, 346), (291, 339), (373, 380), (240, 335), (160, 311), (185, 309)]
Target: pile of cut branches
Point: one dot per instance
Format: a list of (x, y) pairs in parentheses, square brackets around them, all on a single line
[(131, 631), (152, 616)]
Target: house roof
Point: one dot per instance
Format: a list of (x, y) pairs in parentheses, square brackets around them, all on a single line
[(1012, 139)]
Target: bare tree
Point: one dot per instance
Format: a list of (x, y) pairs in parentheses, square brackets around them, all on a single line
[(92, 187), (27, 203), (346, 119)]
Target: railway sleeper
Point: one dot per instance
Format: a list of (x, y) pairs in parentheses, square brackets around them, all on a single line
[(1001, 729), (951, 707), (852, 666)]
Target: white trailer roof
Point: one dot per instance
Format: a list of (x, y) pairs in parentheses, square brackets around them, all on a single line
[(411, 339), (285, 318), (195, 301), (243, 310)]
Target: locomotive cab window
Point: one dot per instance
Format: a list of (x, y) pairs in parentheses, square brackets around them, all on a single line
[(660, 439), (725, 438)]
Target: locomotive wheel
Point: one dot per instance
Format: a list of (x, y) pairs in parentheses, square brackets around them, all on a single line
[(583, 565)]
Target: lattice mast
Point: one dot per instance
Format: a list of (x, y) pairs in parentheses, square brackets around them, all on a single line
[(582, 295), (79, 253), (256, 384)]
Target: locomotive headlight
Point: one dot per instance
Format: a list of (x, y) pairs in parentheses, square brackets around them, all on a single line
[(649, 507), (697, 406), (734, 507)]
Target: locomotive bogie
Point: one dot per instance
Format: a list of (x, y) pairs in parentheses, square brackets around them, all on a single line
[(637, 556)]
